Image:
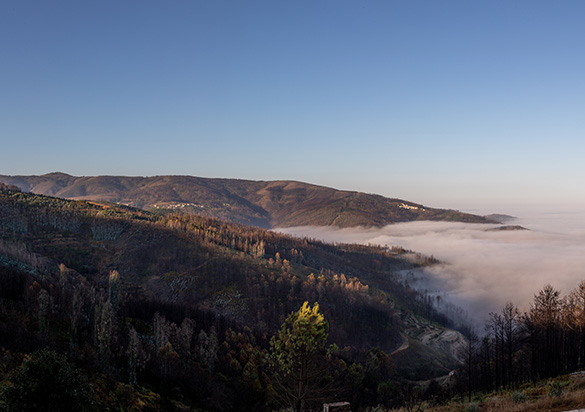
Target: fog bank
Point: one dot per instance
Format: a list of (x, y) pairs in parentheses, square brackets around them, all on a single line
[(482, 269)]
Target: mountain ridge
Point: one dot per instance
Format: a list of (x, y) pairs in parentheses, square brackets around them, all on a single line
[(266, 204)]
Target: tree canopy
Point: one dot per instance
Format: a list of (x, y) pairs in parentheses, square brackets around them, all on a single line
[(298, 356), (46, 381)]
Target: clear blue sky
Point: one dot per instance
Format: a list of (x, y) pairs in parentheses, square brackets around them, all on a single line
[(448, 103)]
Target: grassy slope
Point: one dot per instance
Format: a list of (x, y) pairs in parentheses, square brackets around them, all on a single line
[(561, 394), (565, 393)]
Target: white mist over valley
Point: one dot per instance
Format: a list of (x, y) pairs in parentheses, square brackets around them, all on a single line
[(483, 269)]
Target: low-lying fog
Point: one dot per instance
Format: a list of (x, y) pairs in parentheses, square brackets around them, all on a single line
[(483, 269)]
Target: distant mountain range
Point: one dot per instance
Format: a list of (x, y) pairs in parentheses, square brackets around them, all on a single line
[(266, 204)]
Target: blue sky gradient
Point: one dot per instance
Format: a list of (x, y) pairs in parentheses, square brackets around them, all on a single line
[(455, 104)]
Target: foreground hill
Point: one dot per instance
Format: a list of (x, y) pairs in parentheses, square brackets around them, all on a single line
[(259, 203), (185, 305)]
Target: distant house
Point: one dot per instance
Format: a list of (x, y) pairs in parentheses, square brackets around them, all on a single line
[(337, 407)]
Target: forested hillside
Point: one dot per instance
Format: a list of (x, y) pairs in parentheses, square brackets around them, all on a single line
[(259, 203), (179, 312)]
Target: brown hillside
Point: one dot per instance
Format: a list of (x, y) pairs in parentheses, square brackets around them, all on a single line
[(266, 204)]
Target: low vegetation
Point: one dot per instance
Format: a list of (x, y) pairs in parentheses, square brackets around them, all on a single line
[(568, 394)]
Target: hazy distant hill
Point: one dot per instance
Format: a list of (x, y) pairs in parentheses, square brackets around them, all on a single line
[(498, 217), (265, 204)]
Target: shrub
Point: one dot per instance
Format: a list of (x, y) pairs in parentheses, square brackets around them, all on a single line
[(519, 397), (472, 407), (554, 389), (378, 408)]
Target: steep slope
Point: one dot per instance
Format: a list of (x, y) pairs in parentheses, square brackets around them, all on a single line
[(263, 204), (185, 306), (246, 275)]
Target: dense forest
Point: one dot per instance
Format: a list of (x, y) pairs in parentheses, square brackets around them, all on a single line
[(140, 311)]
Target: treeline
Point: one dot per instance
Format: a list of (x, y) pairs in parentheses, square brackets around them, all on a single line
[(326, 267), (546, 341)]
